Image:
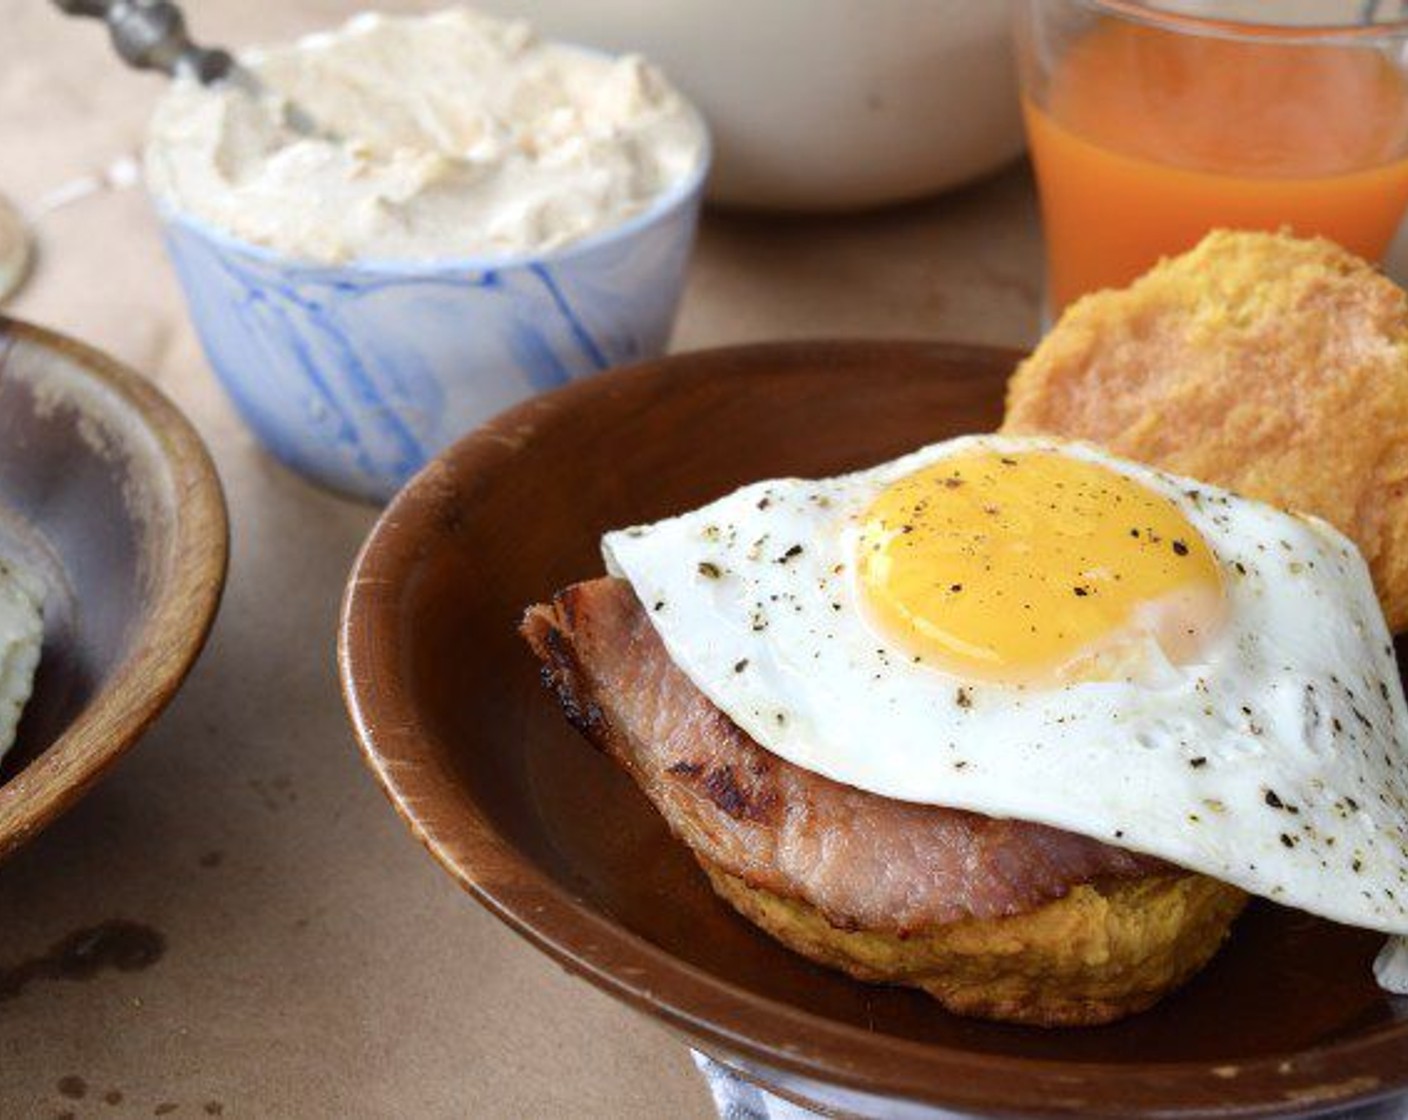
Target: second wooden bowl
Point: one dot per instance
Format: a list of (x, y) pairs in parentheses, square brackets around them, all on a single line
[(109, 498)]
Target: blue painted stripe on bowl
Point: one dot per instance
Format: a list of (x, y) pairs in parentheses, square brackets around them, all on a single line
[(536, 357), (582, 334), (253, 405), (364, 387), (277, 313)]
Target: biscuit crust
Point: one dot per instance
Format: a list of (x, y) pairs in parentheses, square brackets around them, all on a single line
[(1273, 366), (1105, 951)]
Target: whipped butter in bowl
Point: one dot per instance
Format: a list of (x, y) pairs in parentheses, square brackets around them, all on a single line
[(481, 215)]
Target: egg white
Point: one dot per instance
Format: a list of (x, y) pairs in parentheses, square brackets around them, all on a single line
[(21, 637), (1274, 763)]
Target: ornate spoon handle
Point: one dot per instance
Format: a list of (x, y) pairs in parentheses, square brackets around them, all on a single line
[(151, 35)]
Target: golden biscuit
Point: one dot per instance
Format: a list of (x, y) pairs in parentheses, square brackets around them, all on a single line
[(1274, 366), (1102, 952)]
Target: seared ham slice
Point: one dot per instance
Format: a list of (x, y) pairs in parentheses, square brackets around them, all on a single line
[(863, 860)]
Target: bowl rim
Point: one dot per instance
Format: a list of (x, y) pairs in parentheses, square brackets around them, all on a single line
[(713, 1012), (167, 639), (680, 195)]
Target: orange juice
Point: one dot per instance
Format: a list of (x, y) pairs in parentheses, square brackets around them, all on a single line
[(1145, 140)]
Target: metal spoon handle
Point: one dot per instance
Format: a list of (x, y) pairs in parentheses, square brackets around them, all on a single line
[(151, 35)]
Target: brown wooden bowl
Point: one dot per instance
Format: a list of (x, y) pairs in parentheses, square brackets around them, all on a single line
[(549, 836), (108, 496)]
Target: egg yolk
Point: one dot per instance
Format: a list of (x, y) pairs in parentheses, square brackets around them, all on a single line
[(1035, 565)]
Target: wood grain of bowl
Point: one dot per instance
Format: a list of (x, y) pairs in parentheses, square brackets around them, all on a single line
[(550, 837), (109, 498)]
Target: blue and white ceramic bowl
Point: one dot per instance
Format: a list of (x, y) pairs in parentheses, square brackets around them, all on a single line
[(357, 374)]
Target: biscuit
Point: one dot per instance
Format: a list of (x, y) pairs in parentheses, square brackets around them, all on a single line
[(1102, 952), (1270, 365)]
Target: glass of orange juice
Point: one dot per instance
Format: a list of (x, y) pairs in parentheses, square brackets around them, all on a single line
[(1150, 124)]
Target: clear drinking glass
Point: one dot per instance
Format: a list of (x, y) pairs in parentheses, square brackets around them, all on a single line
[(1151, 123)]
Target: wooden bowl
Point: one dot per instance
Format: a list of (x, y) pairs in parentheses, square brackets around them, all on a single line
[(108, 496), (548, 835)]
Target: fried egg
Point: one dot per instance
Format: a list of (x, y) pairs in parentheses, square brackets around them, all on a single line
[(21, 636), (1034, 629)]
